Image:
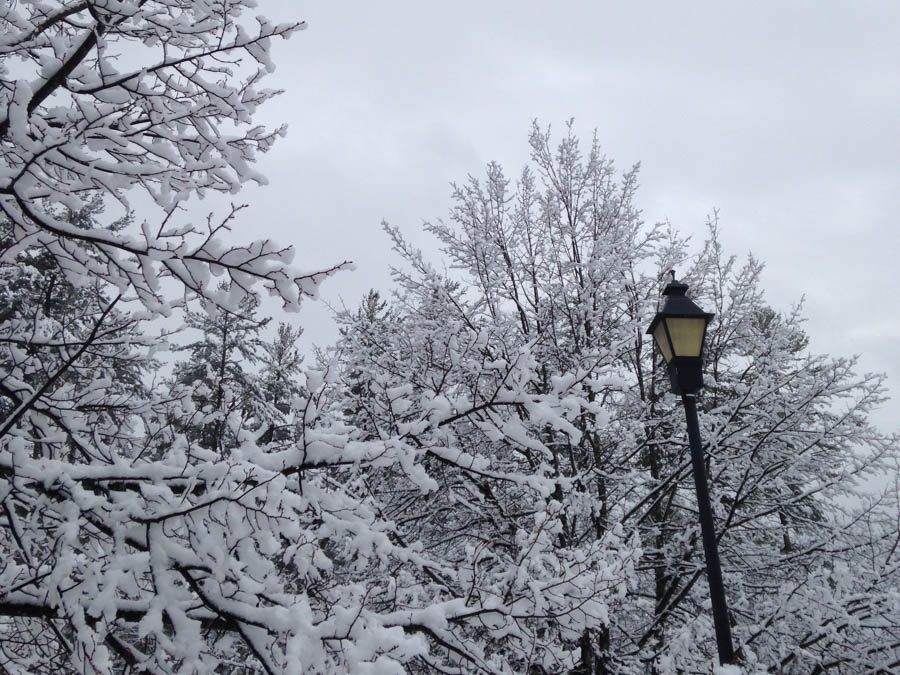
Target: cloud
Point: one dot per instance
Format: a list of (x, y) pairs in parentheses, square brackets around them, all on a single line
[(783, 115)]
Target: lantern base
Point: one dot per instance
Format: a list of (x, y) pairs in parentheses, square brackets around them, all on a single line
[(686, 374)]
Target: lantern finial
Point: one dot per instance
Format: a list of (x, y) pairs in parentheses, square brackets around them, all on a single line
[(675, 287)]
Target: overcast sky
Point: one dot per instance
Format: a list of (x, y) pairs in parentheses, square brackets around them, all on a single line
[(782, 115)]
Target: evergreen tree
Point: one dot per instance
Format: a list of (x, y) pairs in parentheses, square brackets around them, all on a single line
[(219, 372), (282, 369)]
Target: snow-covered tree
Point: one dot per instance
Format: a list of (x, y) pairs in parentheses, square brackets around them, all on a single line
[(124, 543), (560, 266), (546, 301), (487, 503), (72, 374)]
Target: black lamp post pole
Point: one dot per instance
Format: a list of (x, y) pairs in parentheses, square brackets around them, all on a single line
[(679, 330), (708, 532)]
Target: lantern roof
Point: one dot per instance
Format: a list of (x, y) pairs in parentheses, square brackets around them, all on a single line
[(677, 305)]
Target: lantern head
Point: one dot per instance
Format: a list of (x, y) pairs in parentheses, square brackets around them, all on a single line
[(679, 330)]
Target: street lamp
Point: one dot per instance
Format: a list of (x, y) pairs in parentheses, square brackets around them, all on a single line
[(679, 330)]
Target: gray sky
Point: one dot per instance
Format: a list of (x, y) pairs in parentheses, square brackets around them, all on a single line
[(783, 115)]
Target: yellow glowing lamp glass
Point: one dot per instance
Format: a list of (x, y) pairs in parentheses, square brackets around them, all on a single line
[(662, 341), (685, 336)]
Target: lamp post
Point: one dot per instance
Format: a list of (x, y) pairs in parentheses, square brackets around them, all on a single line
[(679, 330)]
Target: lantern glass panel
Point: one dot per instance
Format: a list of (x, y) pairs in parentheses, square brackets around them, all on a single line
[(686, 335), (662, 341)]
